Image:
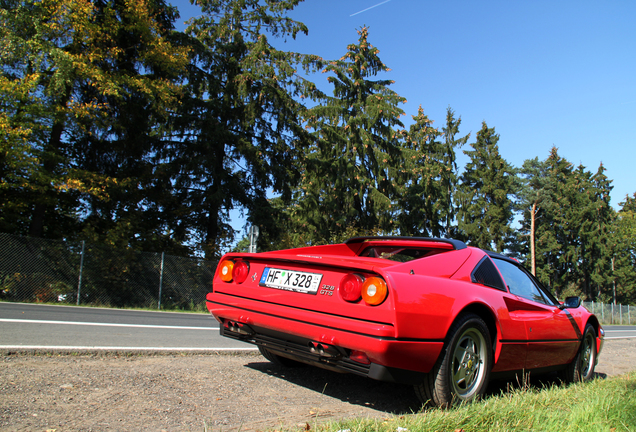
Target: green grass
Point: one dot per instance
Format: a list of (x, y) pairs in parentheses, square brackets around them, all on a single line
[(600, 405)]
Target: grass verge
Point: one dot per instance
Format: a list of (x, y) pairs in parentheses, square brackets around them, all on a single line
[(600, 405)]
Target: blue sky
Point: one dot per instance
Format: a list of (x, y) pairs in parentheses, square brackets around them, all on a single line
[(542, 73)]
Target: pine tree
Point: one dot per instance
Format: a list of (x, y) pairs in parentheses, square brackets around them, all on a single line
[(425, 206), (623, 247), (61, 71), (572, 225), (349, 184), (238, 134), (451, 175), (598, 234), (553, 235), (487, 184), (583, 229), (420, 200), (580, 223), (535, 204), (128, 144)]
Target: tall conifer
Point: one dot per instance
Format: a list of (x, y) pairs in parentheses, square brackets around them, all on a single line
[(425, 206), (66, 68), (487, 185), (450, 177), (239, 135), (553, 234), (623, 247), (349, 184), (534, 202)]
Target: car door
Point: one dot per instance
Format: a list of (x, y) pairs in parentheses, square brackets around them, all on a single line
[(552, 334)]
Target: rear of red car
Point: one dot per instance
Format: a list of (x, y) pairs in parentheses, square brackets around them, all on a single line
[(328, 306)]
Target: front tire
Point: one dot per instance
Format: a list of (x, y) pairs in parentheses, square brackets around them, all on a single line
[(462, 371), (582, 367)]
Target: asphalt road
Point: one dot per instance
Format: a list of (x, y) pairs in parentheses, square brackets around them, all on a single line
[(33, 326), (619, 332)]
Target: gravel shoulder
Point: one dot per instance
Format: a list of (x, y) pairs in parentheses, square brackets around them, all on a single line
[(218, 392)]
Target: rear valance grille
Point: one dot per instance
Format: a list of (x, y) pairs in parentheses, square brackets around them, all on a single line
[(300, 350)]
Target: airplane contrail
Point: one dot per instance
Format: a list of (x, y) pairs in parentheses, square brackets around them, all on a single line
[(364, 10)]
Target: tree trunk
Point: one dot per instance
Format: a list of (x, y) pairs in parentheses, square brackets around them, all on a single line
[(38, 215), (532, 246), (613, 283)]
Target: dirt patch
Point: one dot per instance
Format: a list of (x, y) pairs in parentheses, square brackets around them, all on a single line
[(95, 392)]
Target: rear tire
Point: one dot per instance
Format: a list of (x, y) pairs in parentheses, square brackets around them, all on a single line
[(582, 367), (278, 360), (462, 370)]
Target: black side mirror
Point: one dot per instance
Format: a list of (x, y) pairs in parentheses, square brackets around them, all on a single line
[(571, 303)]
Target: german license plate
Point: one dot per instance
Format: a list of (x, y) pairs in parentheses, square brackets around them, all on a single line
[(291, 280)]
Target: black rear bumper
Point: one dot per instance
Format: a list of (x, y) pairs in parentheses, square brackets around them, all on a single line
[(303, 350)]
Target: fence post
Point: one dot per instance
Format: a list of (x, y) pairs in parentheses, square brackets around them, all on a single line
[(79, 282), (160, 280)]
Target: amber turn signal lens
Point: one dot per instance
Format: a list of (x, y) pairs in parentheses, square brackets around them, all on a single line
[(349, 287), (225, 270), (240, 271), (374, 291)]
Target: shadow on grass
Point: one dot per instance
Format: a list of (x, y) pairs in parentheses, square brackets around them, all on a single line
[(535, 381), (391, 398)]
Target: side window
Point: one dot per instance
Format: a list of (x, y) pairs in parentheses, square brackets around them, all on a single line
[(486, 274), (520, 283)]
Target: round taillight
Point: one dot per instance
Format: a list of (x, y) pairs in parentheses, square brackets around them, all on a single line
[(226, 268), (240, 271), (350, 286), (374, 291)]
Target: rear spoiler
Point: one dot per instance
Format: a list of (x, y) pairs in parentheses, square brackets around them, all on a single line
[(457, 244)]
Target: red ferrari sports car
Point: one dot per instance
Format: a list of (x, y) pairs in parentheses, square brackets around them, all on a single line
[(434, 313)]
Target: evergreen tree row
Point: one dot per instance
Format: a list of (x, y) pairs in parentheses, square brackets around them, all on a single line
[(118, 129)]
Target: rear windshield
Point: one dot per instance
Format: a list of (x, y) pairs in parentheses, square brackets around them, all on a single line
[(397, 253)]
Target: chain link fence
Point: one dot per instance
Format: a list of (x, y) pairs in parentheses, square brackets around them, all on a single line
[(38, 270), (609, 313), (51, 271)]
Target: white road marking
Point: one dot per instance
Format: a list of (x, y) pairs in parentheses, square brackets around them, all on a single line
[(62, 347), (625, 334), (620, 337), (103, 324)]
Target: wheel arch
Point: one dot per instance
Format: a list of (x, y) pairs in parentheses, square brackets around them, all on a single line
[(439, 387), (485, 313), (595, 323)]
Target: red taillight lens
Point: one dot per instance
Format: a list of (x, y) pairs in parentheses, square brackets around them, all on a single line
[(240, 271), (350, 287), (226, 268), (374, 290)]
